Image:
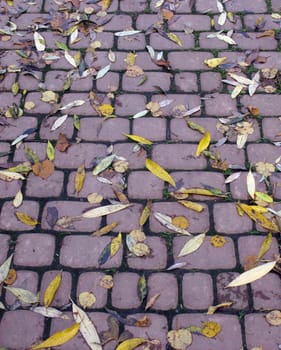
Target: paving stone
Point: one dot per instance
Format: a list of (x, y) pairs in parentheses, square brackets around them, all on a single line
[(186, 82), (231, 154), (206, 257), (198, 222), (181, 132), (155, 261), (25, 279), (135, 158), (34, 7), (129, 104), (157, 330), (137, 42), (78, 154), (118, 23), (275, 183), (38, 147), (227, 220), (269, 105), (66, 128), (109, 83), (197, 291), (25, 20), (7, 99), (266, 292), (5, 148), (206, 6), (4, 244), (55, 81), (7, 81), (250, 245), (112, 8), (228, 25), (153, 129), (166, 284), (220, 105), (272, 60), (230, 330), (89, 282), (133, 5), (196, 22), (63, 292), (85, 109), (71, 208), (211, 43), (34, 249), (269, 22), (272, 129), (97, 129), (145, 21), (15, 41), (106, 40), (152, 187), (132, 84), (37, 187), (262, 153), (250, 41), (18, 127), (237, 295), (189, 60), (159, 42), (180, 157), (20, 329), (238, 187), (40, 106), (125, 290), (210, 81), (276, 5), (88, 254), (9, 189), (128, 219), (260, 333), (8, 219), (29, 82), (258, 6)]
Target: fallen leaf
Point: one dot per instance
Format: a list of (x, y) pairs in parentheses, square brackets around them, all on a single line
[(105, 229), (103, 72), (105, 210), (24, 296), (62, 143), (210, 329), (59, 338), (142, 288), (236, 91), (51, 289), (106, 282), (173, 37), (192, 245), (79, 178), (5, 267), (143, 322), (11, 277), (131, 344), (26, 219), (152, 301), (191, 205), (49, 96), (10, 175), (50, 151), (75, 103), (158, 171), (76, 122), (251, 184), (50, 312), (218, 241), (265, 169), (115, 244), (179, 339), (140, 249), (214, 62), (213, 309), (134, 71), (265, 246), (203, 144), (44, 169), (17, 201), (180, 222), (250, 262), (94, 198), (59, 122), (232, 177), (103, 164), (176, 266), (39, 41), (106, 110), (252, 275), (139, 139), (87, 299), (145, 213), (166, 221), (127, 32), (274, 318)]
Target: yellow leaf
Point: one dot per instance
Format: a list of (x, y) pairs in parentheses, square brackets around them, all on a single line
[(236, 91), (158, 171), (180, 221), (251, 185), (50, 151), (179, 339), (106, 109), (191, 205), (87, 299), (264, 197), (130, 344), (192, 245), (173, 37), (59, 338), (265, 246), (15, 88), (139, 139), (51, 290), (204, 143), (115, 244), (79, 178), (145, 213), (252, 275), (26, 219), (218, 241), (214, 62), (105, 229), (200, 191), (210, 329), (195, 126), (274, 318), (131, 59), (105, 4)]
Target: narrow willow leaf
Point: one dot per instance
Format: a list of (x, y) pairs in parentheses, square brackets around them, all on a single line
[(251, 184), (115, 244), (70, 59), (5, 267), (31, 155), (232, 177), (50, 151), (237, 91), (103, 164), (204, 143), (79, 178), (102, 72), (76, 121), (252, 275), (226, 39), (75, 103), (39, 42), (145, 213), (105, 210), (195, 126), (140, 114), (25, 296), (214, 62), (131, 344), (176, 266), (264, 197), (59, 338), (10, 175), (105, 254), (191, 205), (87, 328), (173, 37), (222, 18), (166, 221), (127, 32), (49, 312), (59, 122), (26, 219), (51, 290), (158, 171), (152, 301), (192, 245), (265, 246), (142, 288), (139, 139), (17, 201), (106, 229)]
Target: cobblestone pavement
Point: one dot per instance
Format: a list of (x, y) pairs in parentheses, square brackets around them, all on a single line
[(67, 61)]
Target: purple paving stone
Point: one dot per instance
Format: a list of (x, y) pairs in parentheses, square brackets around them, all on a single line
[(29, 82), (17, 128), (108, 83), (238, 187), (230, 331), (262, 153), (186, 82), (38, 147), (220, 105), (9, 189), (34, 249), (25, 279), (128, 218), (269, 105), (197, 291), (137, 42), (7, 81), (152, 187), (4, 247), (258, 6), (20, 329), (153, 129), (62, 294), (198, 222), (132, 84), (196, 22), (210, 81), (135, 158), (71, 209), (272, 129), (155, 261), (166, 284), (85, 251), (90, 282), (118, 23), (85, 109), (133, 5), (276, 5), (266, 293), (125, 290), (237, 295), (275, 181), (38, 187), (260, 333), (40, 106), (128, 105), (9, 221), (231, 154), (227, 220), (206, 257), (159, 42), (5, 148), (189, 60), (156, 331)]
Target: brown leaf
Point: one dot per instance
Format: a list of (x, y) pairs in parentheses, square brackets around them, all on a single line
[(44, 169), (250, 262), (62, 143), (151, 301), (11, 277), (143, 322)]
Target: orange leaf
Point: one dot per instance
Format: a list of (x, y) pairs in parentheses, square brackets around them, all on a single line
[(62, 143), (44, 169)]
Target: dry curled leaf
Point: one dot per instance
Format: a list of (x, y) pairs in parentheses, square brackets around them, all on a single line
[(11, 277), (87, 299), (218, 241), (265, 169), (106, 282), (152, 301), (210, 329), (274, 318), (179, 339), (213, 309), (62, 143), (44, 169), (180, 222)]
